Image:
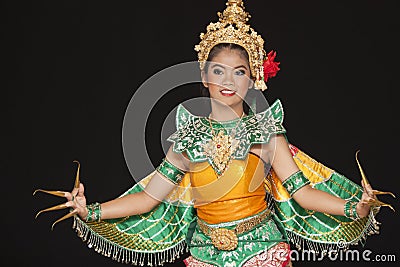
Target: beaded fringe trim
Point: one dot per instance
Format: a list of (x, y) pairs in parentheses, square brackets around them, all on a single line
[(156, 258), (125, 255), (321, 247)]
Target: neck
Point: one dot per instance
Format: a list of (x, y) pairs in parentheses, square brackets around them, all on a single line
[(222, 112)]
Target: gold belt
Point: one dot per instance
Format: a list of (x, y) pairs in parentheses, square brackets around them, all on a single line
[(226, 239)]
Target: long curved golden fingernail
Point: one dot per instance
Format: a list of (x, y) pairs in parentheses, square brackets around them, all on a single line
[(57, 207), (387, 205), (363, 176), (55, 193), (375, 202), (376, 192), (77, 182), (72, 213)]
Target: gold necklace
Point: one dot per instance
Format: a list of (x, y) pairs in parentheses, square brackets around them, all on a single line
[(221, 147)]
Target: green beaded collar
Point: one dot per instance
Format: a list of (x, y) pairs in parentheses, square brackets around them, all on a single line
[(193, 131)]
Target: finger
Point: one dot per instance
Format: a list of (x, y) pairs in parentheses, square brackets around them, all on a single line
[(71, 204), (367, 201), (365, 195), (81, 191), (68, 195), (75, 191), (373, 202), (368, 190)]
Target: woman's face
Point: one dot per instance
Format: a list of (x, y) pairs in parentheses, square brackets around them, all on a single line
[(228, 77)]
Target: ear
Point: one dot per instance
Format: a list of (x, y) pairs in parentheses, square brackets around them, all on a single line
[(204, 79)]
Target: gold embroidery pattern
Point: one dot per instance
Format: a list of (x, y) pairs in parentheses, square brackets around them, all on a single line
[(226, 239), (220, 149)]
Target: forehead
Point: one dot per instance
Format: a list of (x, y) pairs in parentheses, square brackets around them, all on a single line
[(231, 58)]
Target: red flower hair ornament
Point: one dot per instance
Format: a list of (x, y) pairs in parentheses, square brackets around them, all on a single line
[(270, 67)]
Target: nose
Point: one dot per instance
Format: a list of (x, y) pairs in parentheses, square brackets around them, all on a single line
[(228, 78)]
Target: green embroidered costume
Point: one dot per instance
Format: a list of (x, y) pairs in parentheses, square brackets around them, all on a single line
[(180, 222), (230, 207)]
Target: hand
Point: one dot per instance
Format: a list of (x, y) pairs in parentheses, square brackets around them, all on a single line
[(370, 199), (367, 199), (77, 201)]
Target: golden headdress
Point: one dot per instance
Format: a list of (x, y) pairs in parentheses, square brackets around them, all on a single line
[(232, 28)]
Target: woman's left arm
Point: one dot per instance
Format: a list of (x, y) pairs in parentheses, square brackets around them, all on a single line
[(278, 153)]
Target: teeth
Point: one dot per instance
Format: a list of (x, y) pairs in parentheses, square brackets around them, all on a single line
[(227, 92)]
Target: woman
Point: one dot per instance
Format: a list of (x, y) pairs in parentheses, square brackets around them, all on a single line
[(209, 192)]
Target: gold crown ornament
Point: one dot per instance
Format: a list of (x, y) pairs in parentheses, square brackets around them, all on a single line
[(232, 27)]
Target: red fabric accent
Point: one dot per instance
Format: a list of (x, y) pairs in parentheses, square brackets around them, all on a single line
[(294, 150)]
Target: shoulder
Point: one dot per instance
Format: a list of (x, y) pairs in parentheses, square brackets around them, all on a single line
[(183, 117), (258, 128), (272, 115), (191, 132)]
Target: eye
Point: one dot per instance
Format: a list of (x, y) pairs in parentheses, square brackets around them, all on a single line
[(217, 71), (240, 72)]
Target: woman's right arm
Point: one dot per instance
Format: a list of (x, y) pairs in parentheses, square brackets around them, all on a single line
[(157, 189)]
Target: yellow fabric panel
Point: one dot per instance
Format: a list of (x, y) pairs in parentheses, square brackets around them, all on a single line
[(237, 194), (182, 191), (313, 170), (146, 179), (274, 186)]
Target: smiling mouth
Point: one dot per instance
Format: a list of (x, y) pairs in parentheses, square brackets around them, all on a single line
[(227, 92)]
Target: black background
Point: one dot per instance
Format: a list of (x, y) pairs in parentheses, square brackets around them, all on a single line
[(71, 67)]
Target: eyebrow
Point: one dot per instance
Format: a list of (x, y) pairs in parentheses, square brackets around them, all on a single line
[(221, 66)]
